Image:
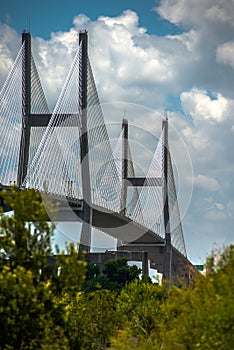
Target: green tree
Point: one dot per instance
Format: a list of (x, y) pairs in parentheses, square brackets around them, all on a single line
[(201, 317), (70, 272), (27, 313), (32, 314), (119, 271), (139, 309), (25, 236), (91, 319), (115, 275), (93, 271)]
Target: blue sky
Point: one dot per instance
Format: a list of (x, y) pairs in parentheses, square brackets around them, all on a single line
[(45, 17), (158, 55)]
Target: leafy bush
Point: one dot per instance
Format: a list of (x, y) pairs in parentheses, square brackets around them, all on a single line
[(201, 317)]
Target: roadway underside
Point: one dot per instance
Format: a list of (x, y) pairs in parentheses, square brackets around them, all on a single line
[(131, 236)]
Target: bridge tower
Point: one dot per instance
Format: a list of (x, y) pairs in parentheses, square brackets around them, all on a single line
[(26, 107), (85, 238), (125, 156), (166, 247), (166, 212), (30, 119)]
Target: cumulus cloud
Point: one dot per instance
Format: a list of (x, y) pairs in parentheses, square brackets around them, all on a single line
[(211, 22), (222, 11), (129, 19), (125, 65), (225, 53), (192, 12), (199, 105), (179, 11), (9, 45)]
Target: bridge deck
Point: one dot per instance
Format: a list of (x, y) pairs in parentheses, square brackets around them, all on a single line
[(134, 237)]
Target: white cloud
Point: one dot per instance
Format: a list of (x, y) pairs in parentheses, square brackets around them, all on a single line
[(196, 12), (180, 11), (218, 211), (225, 53), (53, 59), (189, 39), (9, 45), (205, 182), (222, 11), (81, 21), (196, 138), (200, 106), (129, 19), (129, 63)]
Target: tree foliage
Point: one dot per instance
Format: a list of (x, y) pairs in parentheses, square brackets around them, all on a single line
[(51, 307), (204, 316), (91, 319), (31, 316), (201, 317), (25, 236), (115, 275), (27, 313)]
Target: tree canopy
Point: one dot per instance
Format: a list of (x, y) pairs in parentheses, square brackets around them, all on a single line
[(115, 275), (71, 305)]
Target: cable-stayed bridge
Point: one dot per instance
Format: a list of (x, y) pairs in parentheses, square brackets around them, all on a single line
[(67, 155)]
